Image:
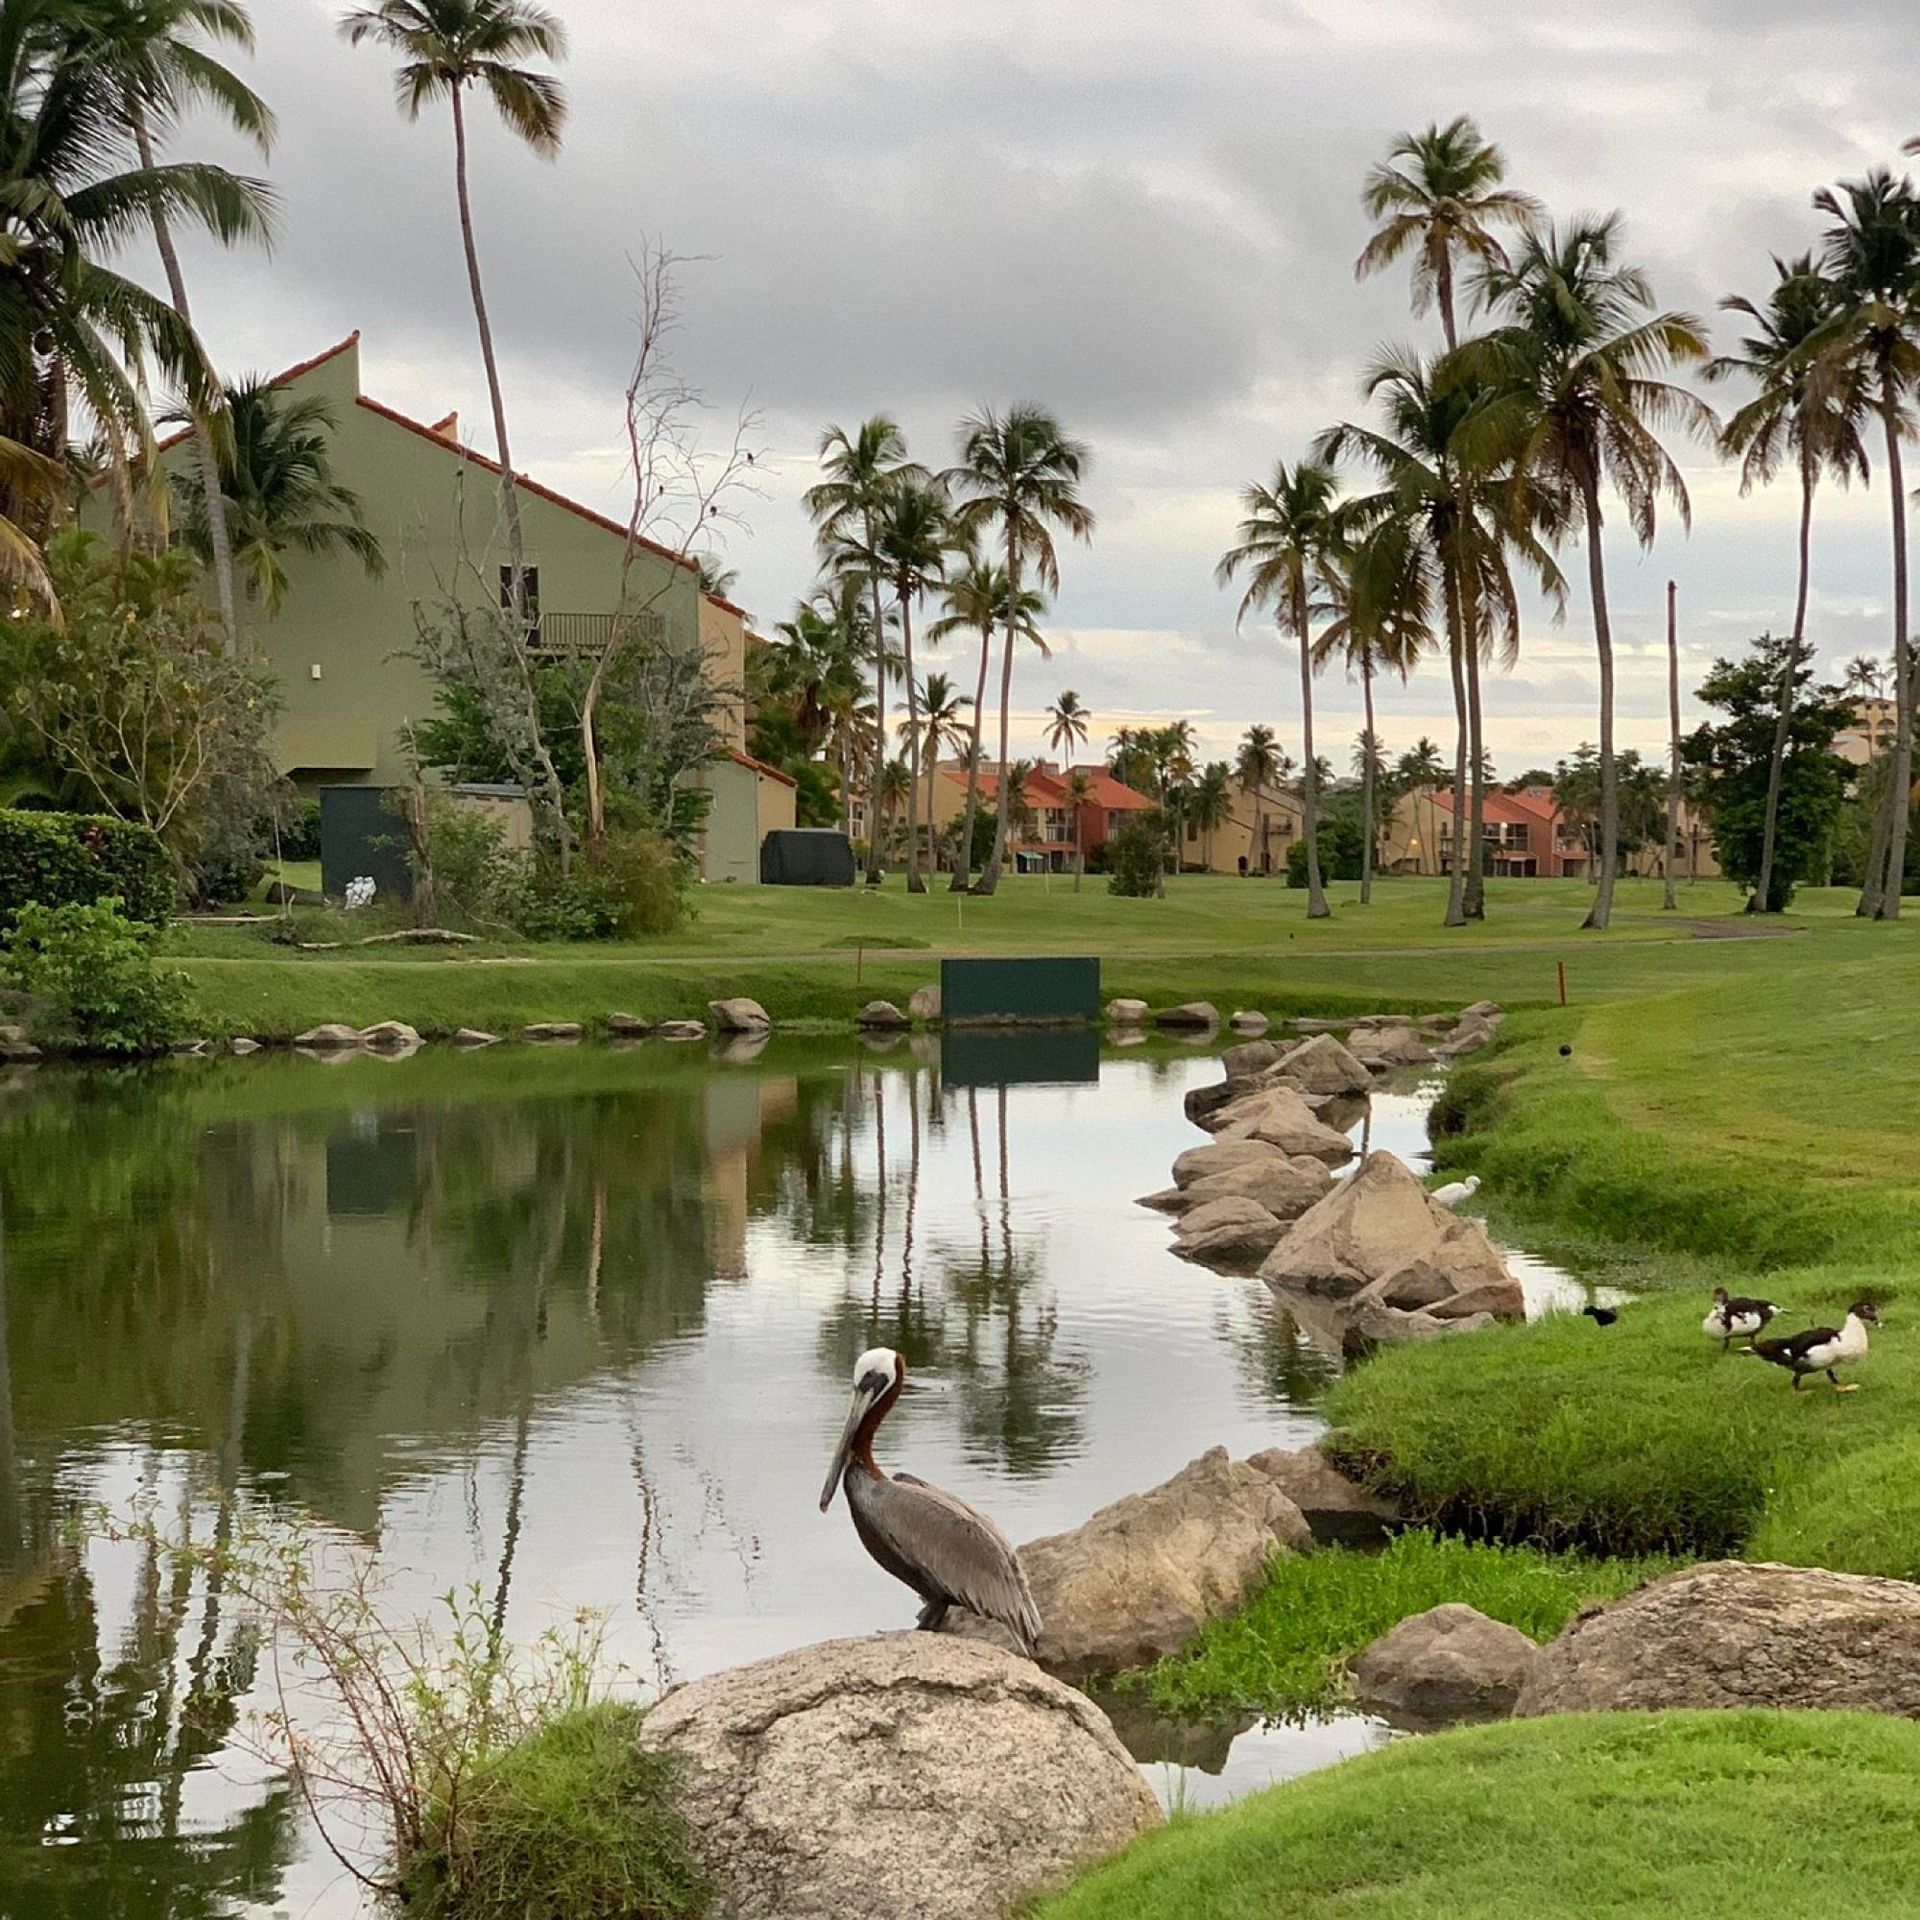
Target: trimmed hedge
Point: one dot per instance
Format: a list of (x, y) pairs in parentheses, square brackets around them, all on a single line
[(59, 859)]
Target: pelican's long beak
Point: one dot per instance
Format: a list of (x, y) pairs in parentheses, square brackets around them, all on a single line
[(857, 1410)]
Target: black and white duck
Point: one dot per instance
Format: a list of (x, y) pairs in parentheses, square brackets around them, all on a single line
[(1736, 1317), (1821, 1349)]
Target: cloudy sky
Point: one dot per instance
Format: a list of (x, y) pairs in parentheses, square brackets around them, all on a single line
[(1143, 215)]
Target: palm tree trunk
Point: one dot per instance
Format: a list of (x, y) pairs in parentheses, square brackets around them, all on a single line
[(1444, 274), (1601, 912), (916, 882), (218, 533), (1761, 901), (933, 769), (509, 494), (1366, 784), (1317, 908), (879, 715), (963, 865), (1473, 898), (1898, 798), (1669, 902), (990, 880), (1456, 877)]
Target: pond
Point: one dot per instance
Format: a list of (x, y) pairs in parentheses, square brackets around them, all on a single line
[(574, 1328)]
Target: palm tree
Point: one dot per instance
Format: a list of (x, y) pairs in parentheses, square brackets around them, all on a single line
[(890, 792), (278, 492), (1067, 722), (978, 601), (1211, 802), (916, 537), (1799, 412), (1080, 796), (446, 47), (1872, 253), (1436, 195), (1020, 476), (1256, 765), (1292, 531), (162, 71), (77, 338), (1421, 770), (1584, 350), (716, 578), (943, 727), (848, 507), (1451, 511)]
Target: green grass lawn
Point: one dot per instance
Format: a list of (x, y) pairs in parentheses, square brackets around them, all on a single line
[(1692, 1816)]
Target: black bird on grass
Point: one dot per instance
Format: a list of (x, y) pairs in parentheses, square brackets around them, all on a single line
[(1601, 1316), (1821, 1349)]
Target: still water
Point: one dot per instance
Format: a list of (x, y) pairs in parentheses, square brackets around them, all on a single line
[(574, 1328)]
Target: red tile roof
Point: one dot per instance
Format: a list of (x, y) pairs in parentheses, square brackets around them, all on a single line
[(740, 759)]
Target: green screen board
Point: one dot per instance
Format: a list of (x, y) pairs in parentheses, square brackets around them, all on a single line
[(1051, 990)]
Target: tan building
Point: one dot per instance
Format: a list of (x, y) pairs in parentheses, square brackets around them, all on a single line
[(1871, 733), (1256, 836)]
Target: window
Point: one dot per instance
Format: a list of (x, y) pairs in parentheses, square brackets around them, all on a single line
[(530, 585)]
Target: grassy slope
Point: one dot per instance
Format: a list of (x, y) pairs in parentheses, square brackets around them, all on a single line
[(1695, 1816), (797, 951), (1287, 1652)]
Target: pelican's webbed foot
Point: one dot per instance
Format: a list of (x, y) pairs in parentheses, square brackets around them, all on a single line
[(933, 1616)]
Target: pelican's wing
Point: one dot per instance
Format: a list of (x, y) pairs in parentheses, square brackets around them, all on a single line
[(959, 1551)]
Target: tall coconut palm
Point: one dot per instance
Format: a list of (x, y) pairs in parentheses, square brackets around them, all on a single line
[(447, 47), (848, 509), (1437, 196), (76, 338), (1872, 253), (1292, 529), (1210, 804), (916, 538), (1256, 765), (279, 493), (1018, 478), (1440, 535), (978, 601), (1081, 793), (1801, 411), (944, 727), (1584, 350), (1420, 770), (163, 71), (1067, 722), (1368, 637)]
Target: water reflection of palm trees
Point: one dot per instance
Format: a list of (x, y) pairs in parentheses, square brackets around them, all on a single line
[(981, 1316)]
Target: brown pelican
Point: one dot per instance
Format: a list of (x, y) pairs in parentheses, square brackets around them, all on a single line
[(948, 1554)]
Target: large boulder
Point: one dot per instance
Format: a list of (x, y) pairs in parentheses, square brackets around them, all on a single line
[(329, 1037), (551, 1033), (907, 1776), (1285, 1187), (1201, 1103), (1192, 1016), (628, 1026), (1281, 1118), (924, 1004), (1381, 1235), (1138, 1579), (881, 1016), (1248, 1058), (1382, 1049), (1474, 1029), (1339, 1512), (1449, 1663), (1323, 1065), (390, 1036), (681, 1030), (1127, 1013), (738, 1016), (1219, 1156), (1728, 1634), (1227, 1229), (1245, 1020)]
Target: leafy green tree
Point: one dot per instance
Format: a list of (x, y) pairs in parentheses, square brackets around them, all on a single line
[(1799, 413), (1437, 196), (1735, 756), (1871, 342), (89, 977), (1293, 531), (1343, 841), (1137, 857), (1583, 352), (1018, 480), (277, 494), (446, 48)]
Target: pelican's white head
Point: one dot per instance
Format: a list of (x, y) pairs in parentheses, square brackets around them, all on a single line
[(876, 1374)]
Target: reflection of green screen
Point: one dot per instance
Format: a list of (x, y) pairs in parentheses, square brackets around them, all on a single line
[(1062, 989), (1024, 1056)]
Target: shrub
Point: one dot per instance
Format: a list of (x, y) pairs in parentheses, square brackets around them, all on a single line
[(1137, 859), (300, 833), (642, 878), (64, 859), (578, 1821), (89, 975)]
